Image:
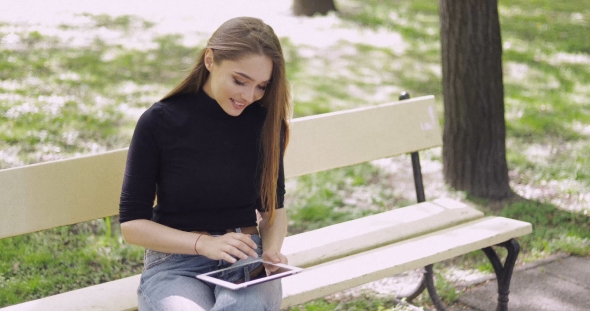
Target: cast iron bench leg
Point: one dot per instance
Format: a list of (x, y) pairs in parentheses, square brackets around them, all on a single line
[(429, 279), (503, 275)]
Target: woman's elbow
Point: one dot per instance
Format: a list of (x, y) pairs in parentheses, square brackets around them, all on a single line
[(128, 230)]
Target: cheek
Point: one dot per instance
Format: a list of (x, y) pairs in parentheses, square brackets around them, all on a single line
[(229, 87), (225, 85), (259, 94)]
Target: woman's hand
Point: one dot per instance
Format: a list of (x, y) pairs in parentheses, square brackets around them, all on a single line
[(272, 238), (227, 247), (274, 257)]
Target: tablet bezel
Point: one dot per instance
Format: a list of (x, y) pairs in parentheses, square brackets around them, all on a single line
[(206, 276)]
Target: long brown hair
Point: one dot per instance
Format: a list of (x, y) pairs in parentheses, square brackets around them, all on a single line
[(234, 39)]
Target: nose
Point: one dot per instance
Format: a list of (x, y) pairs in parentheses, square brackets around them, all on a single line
[(250, 95)]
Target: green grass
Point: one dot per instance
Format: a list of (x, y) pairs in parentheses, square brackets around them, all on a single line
[(68, 100), (335, 196), (554, 229), (368, 302), (62, 259), (57, 101), (125, 23), (546, 99)]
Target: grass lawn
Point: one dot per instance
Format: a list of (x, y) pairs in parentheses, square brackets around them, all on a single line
[(79, 88)]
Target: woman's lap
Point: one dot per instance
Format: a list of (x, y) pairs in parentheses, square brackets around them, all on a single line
[(175, 292), (266, 296), (169, 283)]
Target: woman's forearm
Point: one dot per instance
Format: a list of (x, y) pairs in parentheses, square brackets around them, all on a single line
[(273, 235), (164, 239), (158, 237)]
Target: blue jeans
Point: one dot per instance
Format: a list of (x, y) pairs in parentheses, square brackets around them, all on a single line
[(169, 282)]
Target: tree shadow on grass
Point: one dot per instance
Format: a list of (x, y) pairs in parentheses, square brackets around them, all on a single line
[(554, 229)]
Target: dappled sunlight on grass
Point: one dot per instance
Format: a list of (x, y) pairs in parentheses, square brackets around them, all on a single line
[(556, 172), (545, 101), (326, 198), (61, 100)]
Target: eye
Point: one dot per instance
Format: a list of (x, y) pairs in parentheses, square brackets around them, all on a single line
[(263, 88), (236, 81)]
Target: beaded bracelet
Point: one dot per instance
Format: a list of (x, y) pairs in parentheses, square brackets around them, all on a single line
[(196, 251)]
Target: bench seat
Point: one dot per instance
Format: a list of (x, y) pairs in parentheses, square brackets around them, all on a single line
[(421, 234), (369, 232), (373, 265), (120, 295)]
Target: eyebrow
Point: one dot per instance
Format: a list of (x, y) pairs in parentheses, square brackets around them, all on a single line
[(248, 77)]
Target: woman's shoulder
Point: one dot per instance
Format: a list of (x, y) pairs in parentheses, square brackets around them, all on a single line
[(177, 102), (179, 98), (151, 115), (172, 107), (166, 109)]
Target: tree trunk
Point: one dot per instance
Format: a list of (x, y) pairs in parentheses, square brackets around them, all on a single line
[(474, 147), (311, 7)]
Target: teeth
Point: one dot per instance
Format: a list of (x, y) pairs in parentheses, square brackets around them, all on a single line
[(239, 104)]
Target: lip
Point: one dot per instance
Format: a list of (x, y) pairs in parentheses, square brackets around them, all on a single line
[(237, 105)]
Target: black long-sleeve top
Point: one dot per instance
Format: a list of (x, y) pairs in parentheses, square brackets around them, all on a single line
[(203, 164)]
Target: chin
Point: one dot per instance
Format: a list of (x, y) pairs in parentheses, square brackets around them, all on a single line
[(233, 112)]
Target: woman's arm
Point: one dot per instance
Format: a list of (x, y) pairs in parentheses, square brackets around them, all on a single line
[(161, 238), (273, 236)]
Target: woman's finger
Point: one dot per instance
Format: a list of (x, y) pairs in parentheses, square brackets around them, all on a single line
[(270, 268), (243, 247), (246, 238), (227, 257), (283, 258), (229, 247), (234, 251), (271, 257)]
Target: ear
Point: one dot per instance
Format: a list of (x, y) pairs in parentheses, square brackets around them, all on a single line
[(208, 59)]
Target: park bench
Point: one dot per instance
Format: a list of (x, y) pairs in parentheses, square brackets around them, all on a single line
[(337, 257)]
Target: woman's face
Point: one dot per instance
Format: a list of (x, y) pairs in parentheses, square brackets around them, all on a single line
[(237, 84)]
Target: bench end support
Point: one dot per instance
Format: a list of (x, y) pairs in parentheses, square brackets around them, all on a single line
[(503, 273)]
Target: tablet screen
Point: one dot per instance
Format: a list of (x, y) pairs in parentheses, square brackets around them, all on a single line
[(254, 272)]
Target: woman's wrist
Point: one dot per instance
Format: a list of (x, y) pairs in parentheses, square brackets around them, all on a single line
[(196, 242)]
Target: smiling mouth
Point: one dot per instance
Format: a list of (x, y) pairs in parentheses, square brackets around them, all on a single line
[(237, 103)]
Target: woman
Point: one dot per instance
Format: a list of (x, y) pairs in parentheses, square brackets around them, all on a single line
[(212, 151)]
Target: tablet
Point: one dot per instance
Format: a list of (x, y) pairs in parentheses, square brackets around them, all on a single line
[(242, 275)]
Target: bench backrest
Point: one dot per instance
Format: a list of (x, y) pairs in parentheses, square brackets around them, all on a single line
[(52, 194)]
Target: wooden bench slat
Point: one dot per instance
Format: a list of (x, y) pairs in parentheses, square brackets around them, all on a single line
[(47, 195), (116, 295), (331, 242), (343, 138), (355, 270)]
